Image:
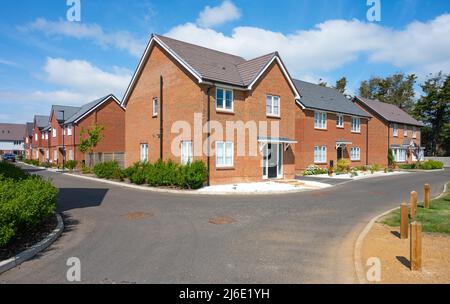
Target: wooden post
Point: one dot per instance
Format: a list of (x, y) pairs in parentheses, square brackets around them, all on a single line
[(426, 199), (416, 246), (413, 204), (404, 221)]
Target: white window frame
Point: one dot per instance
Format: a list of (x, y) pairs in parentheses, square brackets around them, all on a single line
[(224, 157), (399, 155), (71, 154), (405, 131), (320, 120), (47, 154), (414, 132), (46, 135), (272, 105), (224, 104), (35, 136), (69, 130), (340, 121), (54, 132), (320, 155), (155, 107), (356, 125), (395, 130), (55, 155), (42, 136), (187, 155), (355, 154), (143, 158)]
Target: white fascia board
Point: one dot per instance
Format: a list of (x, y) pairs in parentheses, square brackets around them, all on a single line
[(283, 69), (95, 107), (152, 41)]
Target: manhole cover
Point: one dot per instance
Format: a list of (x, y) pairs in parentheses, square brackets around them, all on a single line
[(134, 216), (222, 220)]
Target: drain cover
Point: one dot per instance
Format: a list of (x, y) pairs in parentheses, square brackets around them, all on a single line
[(222, 220), (134, 216)]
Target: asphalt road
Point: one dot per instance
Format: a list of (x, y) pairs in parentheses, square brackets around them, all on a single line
[(123, 235)]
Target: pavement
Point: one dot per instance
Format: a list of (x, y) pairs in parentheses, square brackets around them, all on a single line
[(124, 235)]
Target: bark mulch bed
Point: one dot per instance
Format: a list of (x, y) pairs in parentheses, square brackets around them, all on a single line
[(27, 240)]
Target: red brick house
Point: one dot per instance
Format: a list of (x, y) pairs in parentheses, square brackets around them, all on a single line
[(178, 84), (28, 139), (393, 128), (39, 142), (329, 127)]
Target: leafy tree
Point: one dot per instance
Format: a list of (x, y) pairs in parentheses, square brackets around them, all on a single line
[(433, 109), (397, 89), (89, 142), (341, 85)]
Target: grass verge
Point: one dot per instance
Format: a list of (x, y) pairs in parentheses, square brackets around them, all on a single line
[(436, 219)]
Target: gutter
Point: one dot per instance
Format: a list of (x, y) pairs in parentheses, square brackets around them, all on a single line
[(208, 156), (161, 120)]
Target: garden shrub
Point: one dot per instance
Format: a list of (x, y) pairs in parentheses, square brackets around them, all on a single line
[(108, 170), (71, 164), (343, 165), (430, 165), (9, 170), (24, 205), (314, 170), (33, 162), (194, 175)]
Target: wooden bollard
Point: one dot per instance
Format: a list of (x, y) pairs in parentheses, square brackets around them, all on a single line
[(416, 246), (426, 199), (404, 221), (413, 203)]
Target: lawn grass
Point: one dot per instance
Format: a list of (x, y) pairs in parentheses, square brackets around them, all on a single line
[(436, 219)]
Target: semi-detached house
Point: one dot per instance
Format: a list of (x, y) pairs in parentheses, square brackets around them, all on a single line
[(181, 82)]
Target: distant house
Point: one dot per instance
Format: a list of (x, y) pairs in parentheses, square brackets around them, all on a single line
[(28, 140), (329, 127), (39, 141), (12, 138), (391, 128)]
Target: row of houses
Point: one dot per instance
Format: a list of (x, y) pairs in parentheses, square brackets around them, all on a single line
[(187, 103)]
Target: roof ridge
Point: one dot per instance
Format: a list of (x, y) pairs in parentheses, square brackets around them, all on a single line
[(199, 46), (259, 57)]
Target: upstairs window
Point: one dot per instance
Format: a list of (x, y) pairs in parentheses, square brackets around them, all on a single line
[(35, 136), (224, 99), (69, 130), (414, 132), (272, 105), (155, 107), (395, 130), (53, 132), (405, 131), (42, 136), (340, 121), (320, 120), (356, 125), (46, 135)]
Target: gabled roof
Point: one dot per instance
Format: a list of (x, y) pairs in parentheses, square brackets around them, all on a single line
[(316, 97), (211, 66), (12, 132), (389, 112), (41, 121), (88, 108), (68, 112)]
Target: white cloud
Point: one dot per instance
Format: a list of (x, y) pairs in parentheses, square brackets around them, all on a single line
[(214, 16), (420, 47), (122, 40)]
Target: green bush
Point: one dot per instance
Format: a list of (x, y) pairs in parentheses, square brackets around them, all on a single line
[(108, 170), (391, 158), (71, 164), (24, 205), (430, 165), (343, 165), (407, 166), (314, 170), (33, 162), (168, 174), (9, 170)]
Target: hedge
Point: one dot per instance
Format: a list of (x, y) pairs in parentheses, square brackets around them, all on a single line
[(25, 202), (168, 174), (9, 170), (427, 165), (108, 170)]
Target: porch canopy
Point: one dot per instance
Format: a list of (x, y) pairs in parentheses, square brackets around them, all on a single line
[(342, 143), (276, 140)]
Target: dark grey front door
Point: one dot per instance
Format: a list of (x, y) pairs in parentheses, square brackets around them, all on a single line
[(339, 153)]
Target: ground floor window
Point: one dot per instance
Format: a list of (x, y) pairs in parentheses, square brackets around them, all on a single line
[(36, 154), (224, 154), (186, 152), (355, 153), (70, 154), (55, 155), (144, 153), (399, 155), (320, 154), (47, 154)]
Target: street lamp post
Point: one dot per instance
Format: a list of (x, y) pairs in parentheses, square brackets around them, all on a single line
[(64, 147)]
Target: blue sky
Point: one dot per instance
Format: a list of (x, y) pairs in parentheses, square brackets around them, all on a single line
[(45, 59)]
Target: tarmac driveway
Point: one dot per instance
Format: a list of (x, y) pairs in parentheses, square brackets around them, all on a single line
[(123, 235)]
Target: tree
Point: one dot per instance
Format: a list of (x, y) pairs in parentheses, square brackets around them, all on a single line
[(397, 89), (323, 83), (341, 85), (89, 142), (433, 109)]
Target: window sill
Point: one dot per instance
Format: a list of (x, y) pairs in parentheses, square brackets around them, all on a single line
[(320, 163), (321, 129), (355, 160), (225, 168), (221, 111), (337, 127), (154, 115), (354, 132), (273, 116)]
